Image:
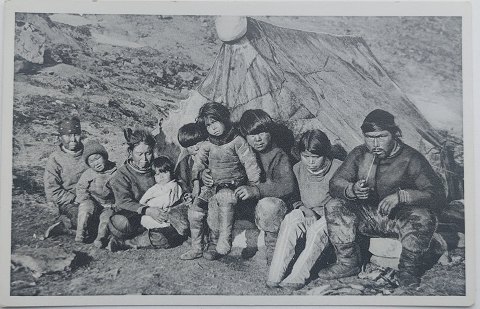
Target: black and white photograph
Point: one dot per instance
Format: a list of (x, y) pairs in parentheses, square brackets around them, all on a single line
[(311, 155)]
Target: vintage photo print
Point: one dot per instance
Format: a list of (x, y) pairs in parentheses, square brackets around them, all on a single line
[(237, 153)]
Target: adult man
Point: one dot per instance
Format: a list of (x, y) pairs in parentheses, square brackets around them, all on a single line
[(384, 188)]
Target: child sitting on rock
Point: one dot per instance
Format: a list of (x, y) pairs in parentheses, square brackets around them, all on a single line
[(93, 194), (166, 193), (232, 164)]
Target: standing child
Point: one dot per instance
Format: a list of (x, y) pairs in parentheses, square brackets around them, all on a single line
[(93, 194), (307, 221), (190, 136), (232, 164), (164, 194)]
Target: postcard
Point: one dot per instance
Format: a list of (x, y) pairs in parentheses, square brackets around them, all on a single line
[(237, 153)]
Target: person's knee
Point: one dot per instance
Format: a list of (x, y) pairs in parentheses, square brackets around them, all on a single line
[(416, 229), (106, 214), (196, 214), (225, 198), (120, 226), (318, 228), (87, 206), (335, 205), (294, 217), (419, 220), (269, 214)]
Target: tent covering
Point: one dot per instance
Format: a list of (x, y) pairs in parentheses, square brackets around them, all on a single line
[(305, 80)]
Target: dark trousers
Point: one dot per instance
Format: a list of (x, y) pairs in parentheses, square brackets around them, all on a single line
[(161, 237), (69, 215), (412, 225)]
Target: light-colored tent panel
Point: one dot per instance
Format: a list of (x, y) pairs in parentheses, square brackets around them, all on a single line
[(310, 80), (306, 80)]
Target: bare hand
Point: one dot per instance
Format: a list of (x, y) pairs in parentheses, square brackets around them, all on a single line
[(156, 213), (388, 204), (246, 192), (207, 178), (361, 190)]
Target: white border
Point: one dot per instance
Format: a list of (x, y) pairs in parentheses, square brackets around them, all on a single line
[(344, 8)]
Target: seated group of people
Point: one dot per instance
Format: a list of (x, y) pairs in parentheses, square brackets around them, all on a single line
[(227, 171)]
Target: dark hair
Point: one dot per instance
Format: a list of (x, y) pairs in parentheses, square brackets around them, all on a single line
[(374, 127), (316, 142), (191, 134), (255, 121), (163, 164), (380, 120), (137, 136), (214, 111)]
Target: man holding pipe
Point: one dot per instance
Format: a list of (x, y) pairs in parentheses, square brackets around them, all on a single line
[(384, 188)]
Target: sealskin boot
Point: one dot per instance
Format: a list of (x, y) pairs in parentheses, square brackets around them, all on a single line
[(251, 236), (348, 262), (101, 235), (82, 221), (211, 252), (409, 269), (196, 227), (224, 244), (58, 228), (270, 242), (140, 241)]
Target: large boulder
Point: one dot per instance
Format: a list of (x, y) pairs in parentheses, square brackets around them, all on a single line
[(29, 42), (43, 261), (386, 251)]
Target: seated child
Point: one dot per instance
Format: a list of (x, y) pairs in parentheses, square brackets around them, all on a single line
[(93, 194), (306, 223), (164, 194), (232, 164)]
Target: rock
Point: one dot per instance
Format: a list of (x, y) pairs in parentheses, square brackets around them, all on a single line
[(384, 261), (43, 260), (453, 239), (29, 43), (186, 76), (385, 247), (357, 286), (23, 66), (445, 259), (454, 214), (372, 275)]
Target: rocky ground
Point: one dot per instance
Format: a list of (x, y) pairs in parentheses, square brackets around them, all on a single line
[(116, 71)]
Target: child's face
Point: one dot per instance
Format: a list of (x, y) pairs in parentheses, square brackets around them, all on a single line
[(312, 161), (215, 127), (193, 150), (70, 141), (162, 178), (259, 142), (97, 162)]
